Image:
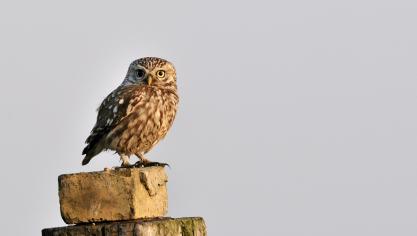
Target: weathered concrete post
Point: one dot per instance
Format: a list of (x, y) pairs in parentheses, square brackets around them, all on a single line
[(119, 202)]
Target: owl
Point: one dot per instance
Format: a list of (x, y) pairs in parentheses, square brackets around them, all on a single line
[(136, 115)]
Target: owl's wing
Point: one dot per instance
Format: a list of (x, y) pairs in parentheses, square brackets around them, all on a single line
[(115, 107)]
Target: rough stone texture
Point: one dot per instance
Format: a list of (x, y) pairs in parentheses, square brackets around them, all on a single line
[(113, 195), (192, 226)]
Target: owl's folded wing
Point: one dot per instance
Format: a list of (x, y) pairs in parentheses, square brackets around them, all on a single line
[(115, 107)]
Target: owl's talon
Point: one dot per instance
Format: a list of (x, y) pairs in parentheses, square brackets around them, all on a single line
[(126, 165), (149, 164), (139, 164), (123, 167)]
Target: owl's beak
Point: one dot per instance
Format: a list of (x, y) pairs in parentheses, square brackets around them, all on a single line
[(149, 80)]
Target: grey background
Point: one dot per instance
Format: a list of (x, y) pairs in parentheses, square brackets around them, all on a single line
[(296, 117)]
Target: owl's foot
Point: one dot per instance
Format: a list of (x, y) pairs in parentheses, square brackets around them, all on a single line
[(126, 165), (125, 161), (143, 162), (149, 164)]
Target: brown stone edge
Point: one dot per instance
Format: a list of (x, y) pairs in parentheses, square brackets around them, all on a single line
[(121, 225)]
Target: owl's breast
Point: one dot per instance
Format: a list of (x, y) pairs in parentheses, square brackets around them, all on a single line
[(165, 111), (149, 122)]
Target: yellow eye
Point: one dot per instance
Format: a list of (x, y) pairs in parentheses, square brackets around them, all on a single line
[(160, 74)]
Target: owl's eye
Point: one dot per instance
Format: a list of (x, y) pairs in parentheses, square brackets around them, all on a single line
[(160, 73), (140, 73)]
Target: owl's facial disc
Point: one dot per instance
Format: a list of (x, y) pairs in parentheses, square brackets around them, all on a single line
[(152, 72)]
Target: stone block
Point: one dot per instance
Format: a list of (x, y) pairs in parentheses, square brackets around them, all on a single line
[(190, 226), (113, 195)]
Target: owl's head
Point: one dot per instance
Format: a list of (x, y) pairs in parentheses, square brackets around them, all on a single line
[(151, 71)]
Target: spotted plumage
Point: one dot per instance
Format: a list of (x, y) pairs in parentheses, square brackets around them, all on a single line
[(138, 114)]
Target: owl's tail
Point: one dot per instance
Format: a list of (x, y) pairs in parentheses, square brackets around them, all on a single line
[(90, 151)]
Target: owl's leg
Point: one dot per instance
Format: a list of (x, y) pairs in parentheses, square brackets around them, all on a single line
[(125, 160), (143, 162), (142, 158)]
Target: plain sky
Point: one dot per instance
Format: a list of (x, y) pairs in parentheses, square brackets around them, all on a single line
[(296, 118)]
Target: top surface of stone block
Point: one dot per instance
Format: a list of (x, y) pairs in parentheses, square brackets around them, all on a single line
[(113, 195)]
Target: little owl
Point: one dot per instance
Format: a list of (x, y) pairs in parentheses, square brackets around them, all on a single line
[(137, 114)]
